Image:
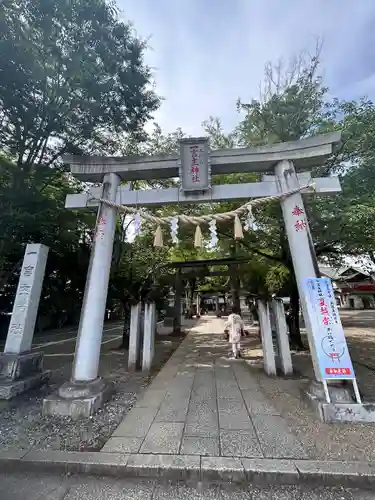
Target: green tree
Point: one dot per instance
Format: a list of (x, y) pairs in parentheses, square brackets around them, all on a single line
[(72, 80), (72, 74)]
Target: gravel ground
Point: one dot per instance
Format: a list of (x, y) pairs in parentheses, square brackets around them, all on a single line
[(23, 427), (51, 487)]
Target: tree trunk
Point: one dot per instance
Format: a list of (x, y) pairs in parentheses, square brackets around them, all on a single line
[(295, 338)]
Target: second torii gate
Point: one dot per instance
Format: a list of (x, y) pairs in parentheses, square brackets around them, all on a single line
[(288, 162)]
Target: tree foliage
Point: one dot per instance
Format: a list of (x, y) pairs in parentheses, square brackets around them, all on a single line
[(71, 74), (72, 79)]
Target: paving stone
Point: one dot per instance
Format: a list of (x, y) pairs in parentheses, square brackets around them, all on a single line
[(176, 391), (163, 438), (184, 378), (12, 454), (359, 474), (275, 439), (204, 413), (174, 467), (231, 392), (204, 380), (239, 444), (76, 461), (136, 423), (202, 395), (123, 445), (207, 375), (205, 389), (224, 373), (199, 430), (226, 382), (161, 384), (207, 405), (222, 468), (175, 411), (194, 445), (152, 398), (246, 381), (233, 415), (258, 404), (268, 471), (231, 407)]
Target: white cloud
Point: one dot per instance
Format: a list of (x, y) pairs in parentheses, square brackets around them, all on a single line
[(207, 54)]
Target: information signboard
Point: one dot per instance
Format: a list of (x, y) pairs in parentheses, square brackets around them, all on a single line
[(332, 351), (195, 171)]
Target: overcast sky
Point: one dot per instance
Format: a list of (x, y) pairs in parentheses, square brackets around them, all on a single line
[(207, 53)]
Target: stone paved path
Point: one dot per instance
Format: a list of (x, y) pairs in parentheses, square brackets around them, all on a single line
[(203, 403)]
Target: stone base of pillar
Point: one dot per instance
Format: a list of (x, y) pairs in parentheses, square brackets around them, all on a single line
[(342, 409), (20, 373), (78, 399)]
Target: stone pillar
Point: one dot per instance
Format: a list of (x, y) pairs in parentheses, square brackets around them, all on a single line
[(86, 393), (217, 305), (298, 233), (134, 337), (177, 303), (284, 356), (149, 336), (21, 369), (243, 304), (266, 333), (198, 303)]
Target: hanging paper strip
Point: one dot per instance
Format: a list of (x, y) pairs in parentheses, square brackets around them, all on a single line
[(158, 240), (137, 224), (250, 219), (213, 233), (198, 238), (174, 230), (238, 234)]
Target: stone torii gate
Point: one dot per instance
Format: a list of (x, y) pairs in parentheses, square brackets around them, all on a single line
[(185, 269), (289, 163)]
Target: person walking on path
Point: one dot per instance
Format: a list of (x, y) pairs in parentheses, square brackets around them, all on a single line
[(235, 326)]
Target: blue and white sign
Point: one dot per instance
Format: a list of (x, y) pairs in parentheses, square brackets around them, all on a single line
[(332, 352)]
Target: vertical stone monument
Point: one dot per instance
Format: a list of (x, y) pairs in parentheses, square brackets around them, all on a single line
[(20, 368), (134, 336), (266, 333), (149, 336)]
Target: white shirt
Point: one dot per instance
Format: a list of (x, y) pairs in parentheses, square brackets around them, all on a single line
[(235, 325)]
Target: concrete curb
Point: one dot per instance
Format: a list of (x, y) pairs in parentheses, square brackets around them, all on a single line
[(193, 468)]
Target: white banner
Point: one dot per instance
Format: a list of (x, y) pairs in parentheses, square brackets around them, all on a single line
[(332, 351)]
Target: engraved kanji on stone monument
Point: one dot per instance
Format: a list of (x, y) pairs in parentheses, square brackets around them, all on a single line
[(25, 308)]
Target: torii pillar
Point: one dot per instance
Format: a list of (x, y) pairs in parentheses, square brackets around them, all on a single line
[(85, 393), (298, 233)]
